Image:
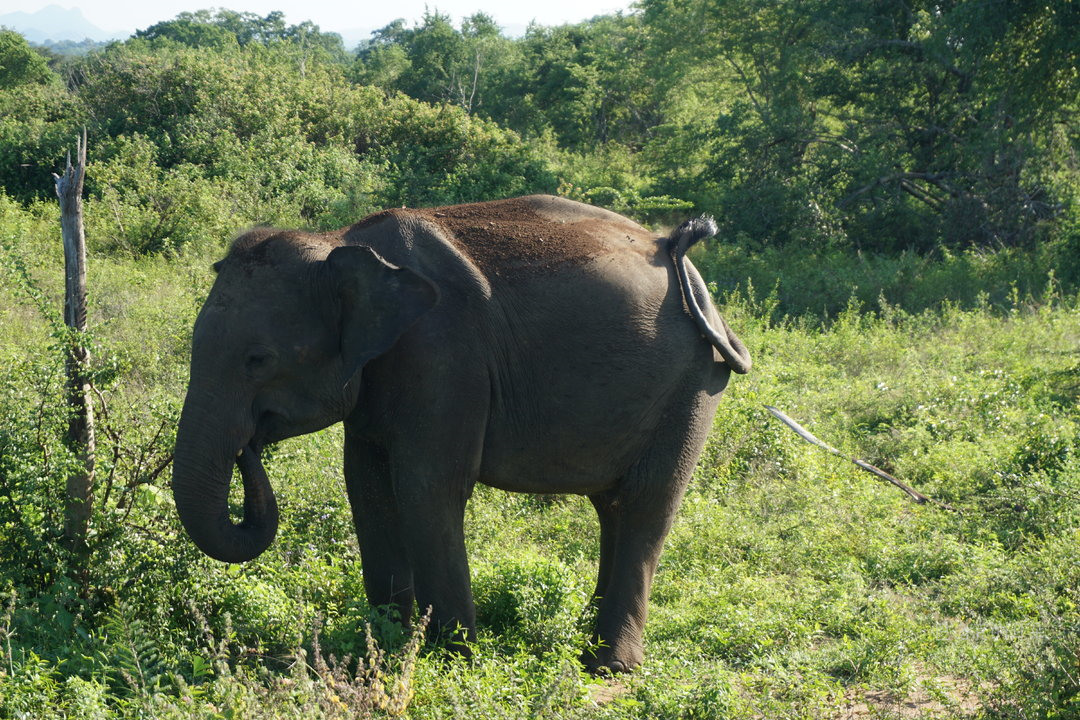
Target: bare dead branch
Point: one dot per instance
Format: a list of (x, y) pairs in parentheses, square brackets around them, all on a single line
[(80, 435), (810, 438)]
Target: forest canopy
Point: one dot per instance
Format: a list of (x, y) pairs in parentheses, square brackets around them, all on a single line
[(827, 123)]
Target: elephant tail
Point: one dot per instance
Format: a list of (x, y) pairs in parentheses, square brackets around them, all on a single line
[(730, 347)]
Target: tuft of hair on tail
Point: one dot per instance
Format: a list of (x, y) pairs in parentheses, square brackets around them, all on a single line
[(693, 231)]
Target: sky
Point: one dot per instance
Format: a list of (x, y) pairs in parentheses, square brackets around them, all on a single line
[(329, 15)]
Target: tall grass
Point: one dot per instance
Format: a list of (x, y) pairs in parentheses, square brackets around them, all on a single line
[(793, 584), (821, 283)]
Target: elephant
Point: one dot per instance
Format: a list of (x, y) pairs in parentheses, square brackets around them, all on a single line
[(534, 344)]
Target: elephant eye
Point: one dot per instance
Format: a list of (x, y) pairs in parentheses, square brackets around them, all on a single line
[(259, 360)]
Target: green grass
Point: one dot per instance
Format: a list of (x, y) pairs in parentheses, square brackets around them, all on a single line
[(793, 584)]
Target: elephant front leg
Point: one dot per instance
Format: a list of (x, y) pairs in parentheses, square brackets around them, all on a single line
[(388, 577), (433, 528), (432, 410)]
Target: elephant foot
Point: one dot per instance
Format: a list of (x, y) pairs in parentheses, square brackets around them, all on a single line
[(454, 639), (610, 661), (457, 649)]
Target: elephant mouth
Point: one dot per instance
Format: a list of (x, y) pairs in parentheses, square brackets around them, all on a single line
[(249, 460), (273, 426), (251, 452), (270, 427)]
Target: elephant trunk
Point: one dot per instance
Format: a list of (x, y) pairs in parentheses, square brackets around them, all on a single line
[(202, 472)]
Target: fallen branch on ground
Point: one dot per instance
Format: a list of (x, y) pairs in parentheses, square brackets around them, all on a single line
[(810, 438)]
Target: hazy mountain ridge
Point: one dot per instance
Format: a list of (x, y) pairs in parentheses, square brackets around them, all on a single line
[(56, 23)]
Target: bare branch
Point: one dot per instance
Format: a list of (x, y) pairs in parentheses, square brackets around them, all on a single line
[(810, 438), (80, 435)]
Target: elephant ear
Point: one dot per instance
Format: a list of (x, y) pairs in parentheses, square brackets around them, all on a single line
[(378, 303)]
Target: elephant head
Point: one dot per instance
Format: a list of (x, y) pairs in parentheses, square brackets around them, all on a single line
[(277, 351)]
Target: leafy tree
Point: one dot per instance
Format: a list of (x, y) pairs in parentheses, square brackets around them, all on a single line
[(811, 121), (437, 62), (38, 118), (221, 28), (382, 60), (281, 143), (883, 123), (587, 81), (441, 155), (192, 29), (581, 85), (19, 63)]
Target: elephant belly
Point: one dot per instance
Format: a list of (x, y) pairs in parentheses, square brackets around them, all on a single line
[(575, 420), (555, 462)]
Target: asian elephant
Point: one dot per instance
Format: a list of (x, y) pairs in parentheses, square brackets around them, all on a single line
[(535, 344)]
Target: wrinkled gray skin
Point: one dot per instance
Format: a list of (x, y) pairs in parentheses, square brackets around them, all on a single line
[(535, 345)]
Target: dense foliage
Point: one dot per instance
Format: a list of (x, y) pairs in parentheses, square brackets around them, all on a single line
[(898, 187)]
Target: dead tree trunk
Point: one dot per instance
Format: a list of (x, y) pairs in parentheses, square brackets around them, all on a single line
[(80, 437)]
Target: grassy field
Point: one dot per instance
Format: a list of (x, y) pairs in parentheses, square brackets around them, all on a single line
[(793, 585)]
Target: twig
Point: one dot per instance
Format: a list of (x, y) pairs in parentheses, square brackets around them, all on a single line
[(106, 427), (810, 438), (148, 480)]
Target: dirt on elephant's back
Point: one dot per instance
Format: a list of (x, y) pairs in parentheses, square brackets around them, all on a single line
[(508, 237)]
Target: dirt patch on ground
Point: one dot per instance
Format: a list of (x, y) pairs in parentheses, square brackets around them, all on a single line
[(606, 692), (942, 697)]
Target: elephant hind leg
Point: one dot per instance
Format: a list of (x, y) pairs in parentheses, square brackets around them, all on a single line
[(632, 536), (609, 521), (635, 518)]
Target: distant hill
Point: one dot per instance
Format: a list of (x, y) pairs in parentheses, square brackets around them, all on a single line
[(56, 24)]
